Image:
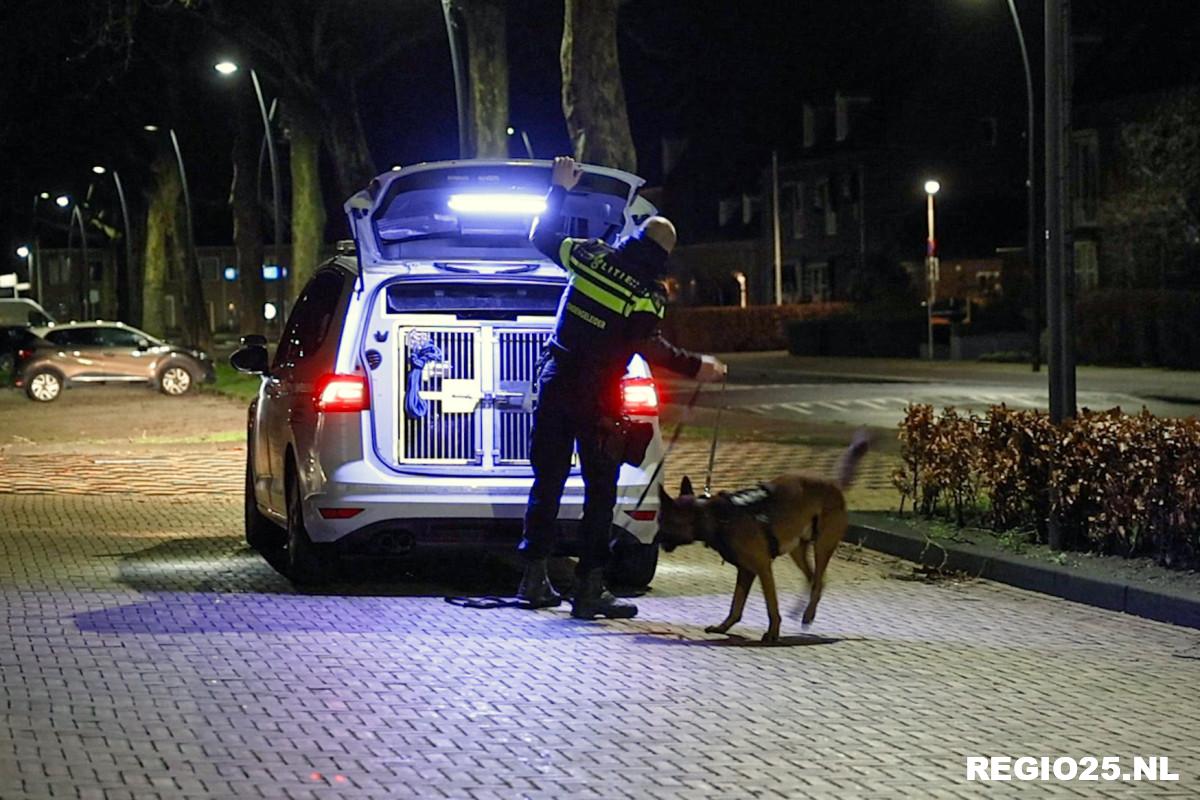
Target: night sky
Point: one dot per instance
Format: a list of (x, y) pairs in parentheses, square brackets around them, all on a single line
[(730, 77)]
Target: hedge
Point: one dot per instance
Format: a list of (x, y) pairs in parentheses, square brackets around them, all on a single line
[(1140, 327), (857, 336), (1117, 483), (727, 329)]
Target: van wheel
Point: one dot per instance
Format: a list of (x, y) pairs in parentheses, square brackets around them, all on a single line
[(633, 564), (307, 563), (44, 386), (261, 533)]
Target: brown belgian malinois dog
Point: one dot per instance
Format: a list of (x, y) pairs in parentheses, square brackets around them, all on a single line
[(752, 527)]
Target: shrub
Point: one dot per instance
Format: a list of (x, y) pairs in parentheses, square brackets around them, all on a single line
[(725, 329), (859, 332), (1139, 327), (1122, 484)]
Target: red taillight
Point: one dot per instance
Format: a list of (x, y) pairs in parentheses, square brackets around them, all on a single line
[(341, 393), (23, 353), (339, 513), (639, 397), (643, 515)]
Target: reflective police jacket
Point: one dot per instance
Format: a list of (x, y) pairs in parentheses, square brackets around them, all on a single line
[(614, 300)]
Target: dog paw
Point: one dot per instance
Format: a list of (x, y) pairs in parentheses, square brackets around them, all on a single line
[(770, 637), (716, 629)]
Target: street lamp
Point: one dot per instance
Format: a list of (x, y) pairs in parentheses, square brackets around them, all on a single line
[(23, 252), (931, 262), (100, 170), (524, 138), (228, 68), (187, 196), (62, 201), (1030, 203)]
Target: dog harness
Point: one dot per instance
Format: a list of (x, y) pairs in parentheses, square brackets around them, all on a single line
[(756, 502)]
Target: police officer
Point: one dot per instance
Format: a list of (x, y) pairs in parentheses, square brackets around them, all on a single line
[(610, 310)]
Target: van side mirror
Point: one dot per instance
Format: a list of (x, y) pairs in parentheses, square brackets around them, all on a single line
[(251, 359)]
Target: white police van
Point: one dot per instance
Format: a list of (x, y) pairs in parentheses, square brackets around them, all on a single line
[(395, 414)]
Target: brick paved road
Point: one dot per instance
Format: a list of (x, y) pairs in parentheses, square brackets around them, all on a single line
[(146, 653)]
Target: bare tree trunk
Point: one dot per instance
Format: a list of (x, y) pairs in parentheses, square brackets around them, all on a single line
[(308, 206), (129, 280), (160, 227), (593, 97), (197, 324), (488, 69), (247, 221), (347, 144)]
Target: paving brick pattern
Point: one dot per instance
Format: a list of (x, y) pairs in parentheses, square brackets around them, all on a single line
[(221, 471), (146, 653)]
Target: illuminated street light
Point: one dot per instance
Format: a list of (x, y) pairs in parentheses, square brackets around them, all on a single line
[(62, 201), (150, 128), (931, 261), (228, 68), (23, 251), (44, 195), (524, 139), (99, 170)]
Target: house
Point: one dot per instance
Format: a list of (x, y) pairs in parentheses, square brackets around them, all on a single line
[(1135, 192), (103, 293)]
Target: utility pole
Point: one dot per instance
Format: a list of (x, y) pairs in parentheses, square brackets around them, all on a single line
[(1058, 271)]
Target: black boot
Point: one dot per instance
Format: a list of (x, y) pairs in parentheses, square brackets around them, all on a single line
[(593, 600), (535, 590)]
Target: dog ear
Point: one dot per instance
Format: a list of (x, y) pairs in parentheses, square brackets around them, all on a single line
[(686, 486), (664, 499)]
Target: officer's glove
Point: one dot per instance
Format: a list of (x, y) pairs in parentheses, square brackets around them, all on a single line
[(712, 369)]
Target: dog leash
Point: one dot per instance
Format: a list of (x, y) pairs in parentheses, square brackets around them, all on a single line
[(687, 411), (712, 450)]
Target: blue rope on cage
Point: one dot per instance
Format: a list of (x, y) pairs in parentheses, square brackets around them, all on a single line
[(416, 406)]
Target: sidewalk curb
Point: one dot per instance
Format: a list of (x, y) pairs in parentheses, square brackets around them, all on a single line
[(1026, 573)]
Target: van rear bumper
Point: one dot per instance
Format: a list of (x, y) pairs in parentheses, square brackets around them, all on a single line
[(468, 514)]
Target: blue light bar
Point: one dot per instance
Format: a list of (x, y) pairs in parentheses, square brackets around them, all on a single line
[(516, 204), (273, 272)]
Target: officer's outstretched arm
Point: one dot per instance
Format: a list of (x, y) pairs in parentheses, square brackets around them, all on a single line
[(548, 234), (661, 353)]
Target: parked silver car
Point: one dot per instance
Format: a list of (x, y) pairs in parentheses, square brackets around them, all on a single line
[(83, 353), (396, 411)]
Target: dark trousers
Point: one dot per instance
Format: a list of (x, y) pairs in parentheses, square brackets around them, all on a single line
[(572, 399)]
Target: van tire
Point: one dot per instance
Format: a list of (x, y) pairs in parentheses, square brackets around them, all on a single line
[(633, 564), (262, 534), (306, 563)]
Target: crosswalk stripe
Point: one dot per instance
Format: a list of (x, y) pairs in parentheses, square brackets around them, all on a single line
[(799, 408)]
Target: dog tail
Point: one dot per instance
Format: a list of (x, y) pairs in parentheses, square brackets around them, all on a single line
[(848, 463)]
